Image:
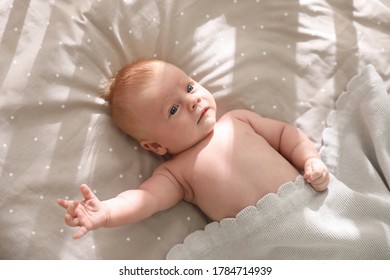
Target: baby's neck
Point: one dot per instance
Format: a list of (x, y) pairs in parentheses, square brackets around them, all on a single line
[(203, 142)]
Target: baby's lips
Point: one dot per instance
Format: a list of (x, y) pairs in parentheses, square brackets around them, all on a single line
[(202, 113)]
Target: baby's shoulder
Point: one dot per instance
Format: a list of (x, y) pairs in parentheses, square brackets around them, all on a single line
[(174, 165), (167, 169), (239, 114), (235, 113)]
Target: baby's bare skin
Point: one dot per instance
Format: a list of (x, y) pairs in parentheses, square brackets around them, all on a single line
[(222, 166), (233, 167)]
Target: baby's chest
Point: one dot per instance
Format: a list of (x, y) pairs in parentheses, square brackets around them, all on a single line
[(229, 159)]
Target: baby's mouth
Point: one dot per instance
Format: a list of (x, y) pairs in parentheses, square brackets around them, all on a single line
[(204, 111)]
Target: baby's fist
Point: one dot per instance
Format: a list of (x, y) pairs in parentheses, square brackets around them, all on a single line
[(317, 174)]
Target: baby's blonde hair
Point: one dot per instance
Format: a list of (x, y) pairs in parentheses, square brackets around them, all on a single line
[(122, 90)]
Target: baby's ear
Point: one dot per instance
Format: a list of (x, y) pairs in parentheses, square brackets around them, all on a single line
[(154, 147)]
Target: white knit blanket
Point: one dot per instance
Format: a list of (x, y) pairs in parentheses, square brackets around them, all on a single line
[(349, 221)]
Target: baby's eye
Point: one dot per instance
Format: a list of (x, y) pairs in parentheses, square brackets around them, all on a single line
[(190, 88), (173, 110)]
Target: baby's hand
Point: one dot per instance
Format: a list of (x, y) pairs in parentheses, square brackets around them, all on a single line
[(88, 214), (317, 174)]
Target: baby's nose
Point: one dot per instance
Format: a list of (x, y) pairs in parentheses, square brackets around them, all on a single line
[(194, 101)]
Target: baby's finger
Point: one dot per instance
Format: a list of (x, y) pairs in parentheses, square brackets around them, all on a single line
[(86, 192), (316, 175), (312, 176), (319, 170), (71, 221), (321, 183), (72, 207), (308, 170), (307, 177), (80, 233), (318, 181), (63, 203), (320, 187)]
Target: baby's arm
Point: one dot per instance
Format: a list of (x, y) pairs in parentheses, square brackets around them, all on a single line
[(293, 145), (158, 193), (155, 194)]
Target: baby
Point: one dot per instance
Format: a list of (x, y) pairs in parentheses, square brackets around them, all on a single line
[(222, 166)]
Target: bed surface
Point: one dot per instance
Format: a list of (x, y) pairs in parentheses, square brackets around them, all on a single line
[(289, 60)]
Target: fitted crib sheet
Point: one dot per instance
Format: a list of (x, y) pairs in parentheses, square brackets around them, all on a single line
[(286, 59)]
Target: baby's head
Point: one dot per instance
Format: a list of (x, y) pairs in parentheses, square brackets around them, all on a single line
[(160, 106)]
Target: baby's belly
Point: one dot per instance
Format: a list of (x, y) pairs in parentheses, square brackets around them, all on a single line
[(229, 175), (224, 195)]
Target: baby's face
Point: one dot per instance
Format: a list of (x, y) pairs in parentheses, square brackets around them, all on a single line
[(177, 112)]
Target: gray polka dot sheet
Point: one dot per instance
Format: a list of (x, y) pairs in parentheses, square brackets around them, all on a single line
[(286, 59)]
